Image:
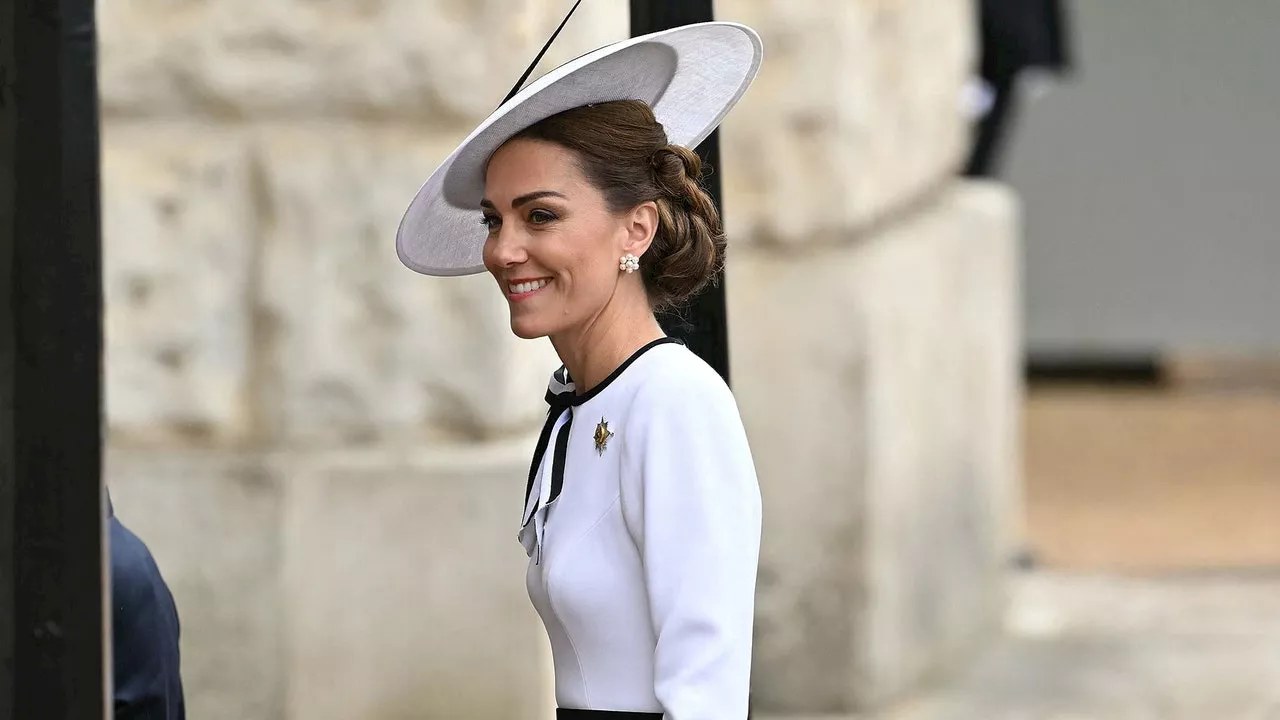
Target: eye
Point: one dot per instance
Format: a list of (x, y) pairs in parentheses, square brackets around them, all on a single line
[(490, 221), (541, 217)]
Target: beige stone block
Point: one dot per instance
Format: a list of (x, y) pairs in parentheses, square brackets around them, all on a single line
[(406, 588), (943, 423), (879, 383), (355, 346), (178, 233), (212, 521), (855, 113), (446, 61), (373, 584)]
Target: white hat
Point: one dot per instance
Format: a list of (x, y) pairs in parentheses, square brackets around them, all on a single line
[(691, 76)]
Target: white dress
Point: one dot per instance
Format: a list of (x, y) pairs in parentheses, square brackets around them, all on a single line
[(642, 523)]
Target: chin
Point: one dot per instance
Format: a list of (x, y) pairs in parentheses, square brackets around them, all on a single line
[(527, 330)]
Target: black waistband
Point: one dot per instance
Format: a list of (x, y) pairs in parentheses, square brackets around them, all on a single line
[(566, 714)]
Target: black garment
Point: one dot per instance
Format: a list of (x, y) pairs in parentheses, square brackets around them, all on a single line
[(1015, 35), (563, 714), (566, 714), (1018, 34), (145, 631)]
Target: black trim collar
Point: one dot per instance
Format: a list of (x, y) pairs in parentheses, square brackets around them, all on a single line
[(567, 399), (574, 399)]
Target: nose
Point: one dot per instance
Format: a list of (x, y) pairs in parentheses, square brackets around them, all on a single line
[(506, 247)]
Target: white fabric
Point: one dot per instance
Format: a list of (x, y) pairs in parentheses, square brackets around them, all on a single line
[(645, 571), (691, 76)]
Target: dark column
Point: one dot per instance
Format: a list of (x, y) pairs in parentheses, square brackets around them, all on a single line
[(51, 497), (703, 324), (8, 124)]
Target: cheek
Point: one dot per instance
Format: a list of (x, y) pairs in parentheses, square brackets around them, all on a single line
[(558, 256), (582, 261), (592, 279)]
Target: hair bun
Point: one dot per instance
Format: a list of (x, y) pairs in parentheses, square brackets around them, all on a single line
[(676, 168), (690, 242)]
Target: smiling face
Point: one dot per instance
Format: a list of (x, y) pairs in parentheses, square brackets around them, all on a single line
[(553, 243)]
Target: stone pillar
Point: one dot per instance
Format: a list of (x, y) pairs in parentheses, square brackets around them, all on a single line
[(325, 451), (873, 319)]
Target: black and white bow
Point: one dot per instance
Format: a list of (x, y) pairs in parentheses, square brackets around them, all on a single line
[(546, 472)]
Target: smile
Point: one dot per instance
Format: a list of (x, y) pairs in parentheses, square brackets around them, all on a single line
[(524, 289)]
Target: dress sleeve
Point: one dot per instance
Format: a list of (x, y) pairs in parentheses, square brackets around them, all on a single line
[(692, 503)]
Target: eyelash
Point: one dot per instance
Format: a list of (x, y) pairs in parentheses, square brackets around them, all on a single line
[(493, 221)]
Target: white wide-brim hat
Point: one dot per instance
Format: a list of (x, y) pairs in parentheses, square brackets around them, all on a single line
[(691, 76)]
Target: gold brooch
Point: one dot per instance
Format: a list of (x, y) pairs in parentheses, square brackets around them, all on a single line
[(602, 436)]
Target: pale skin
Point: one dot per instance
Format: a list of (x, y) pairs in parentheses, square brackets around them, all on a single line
[(553, 248)]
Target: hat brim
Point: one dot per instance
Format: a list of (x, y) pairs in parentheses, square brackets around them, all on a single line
[(691, 76)]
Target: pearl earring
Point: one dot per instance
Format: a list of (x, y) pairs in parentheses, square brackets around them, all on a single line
[(629, 263)]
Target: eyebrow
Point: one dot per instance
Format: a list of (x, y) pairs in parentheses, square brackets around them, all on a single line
[(524, 199)]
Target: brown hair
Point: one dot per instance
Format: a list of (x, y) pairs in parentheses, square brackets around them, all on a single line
[(623, 151)]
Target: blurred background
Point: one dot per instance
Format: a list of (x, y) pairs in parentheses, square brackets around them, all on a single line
[(1017, 261)]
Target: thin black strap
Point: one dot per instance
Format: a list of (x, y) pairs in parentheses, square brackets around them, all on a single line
[(557, 462), (543, 438), (534, 64), (559, 403)]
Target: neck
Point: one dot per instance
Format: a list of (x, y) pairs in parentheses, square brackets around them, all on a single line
[(595, 349)]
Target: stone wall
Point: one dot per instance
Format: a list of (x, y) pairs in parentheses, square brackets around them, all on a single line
[(874, 341), (326, 451), (853, 118), (887, 455)]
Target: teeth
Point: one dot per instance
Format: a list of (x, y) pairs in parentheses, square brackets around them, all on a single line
[(522, 288)]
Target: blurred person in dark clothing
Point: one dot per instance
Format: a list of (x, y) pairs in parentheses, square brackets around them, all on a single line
[(1014, 36), (145, 631)]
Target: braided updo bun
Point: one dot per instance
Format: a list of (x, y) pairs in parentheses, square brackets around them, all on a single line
[(623, 151), (688, 248)]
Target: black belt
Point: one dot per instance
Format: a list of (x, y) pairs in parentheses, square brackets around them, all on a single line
[(566, 714)]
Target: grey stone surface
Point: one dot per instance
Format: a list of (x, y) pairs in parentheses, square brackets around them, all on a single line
[(879, 387), (212, 521), (441, 61), (1080, 647), (406, 588), (373, 584), (855, 114), (253, 294), (1107, 648), (179, 233), (354, 347)]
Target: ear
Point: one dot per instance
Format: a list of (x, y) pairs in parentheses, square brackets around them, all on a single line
[(641, 224)]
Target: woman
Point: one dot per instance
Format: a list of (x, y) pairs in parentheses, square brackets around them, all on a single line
[(642, 513)]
